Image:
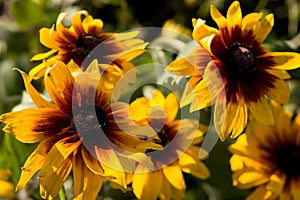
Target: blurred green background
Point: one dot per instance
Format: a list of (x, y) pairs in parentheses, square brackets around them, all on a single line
[(20, 21)]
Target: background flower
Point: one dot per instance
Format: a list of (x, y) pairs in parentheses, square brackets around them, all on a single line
[(239, 73), (179, 137), (268, 157)]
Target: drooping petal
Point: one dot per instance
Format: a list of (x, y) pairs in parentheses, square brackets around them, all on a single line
[(260, 193), (261, 111), (58, 155), (142, 181), (86, 183), (280, 92), (111, 165), (38, 156), (174, 175), (52, 183), (189, 165), (91, 162)]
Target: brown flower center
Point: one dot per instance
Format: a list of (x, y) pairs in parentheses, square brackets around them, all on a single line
[(88, 118), (239, 60), (288, 160)]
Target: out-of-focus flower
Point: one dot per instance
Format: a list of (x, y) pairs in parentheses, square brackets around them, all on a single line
[(77, 42), (167, 181), (232, 69), (7, 188), (268, 157), (77, 131)]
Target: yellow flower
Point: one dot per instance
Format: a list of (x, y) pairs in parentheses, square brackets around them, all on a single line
[(179, 137), (232, 69), (268, 157), (77, 42), (7, 188), (77, 131)]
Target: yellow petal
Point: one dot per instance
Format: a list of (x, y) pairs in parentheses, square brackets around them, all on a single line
[(218, 17), (203, 34), (260, 193), (228, 118), (276, 183), (33, 125), (40, 70), (240, 120), (58, 154), (52, 183), (282, 74), (280, 92), (261, 111), (234, 15), (91, 162), (86, 183), (31, 166), (42, 56), (189, 165), (147, 186), (76, 22), (59, 85), (111, 165), (283, 60), (248, 178), (251, 20), (263, 29), (78, 176), (46, 37), (166, 192), (174, 176), (171, 107), (38, 100), (7, 190)]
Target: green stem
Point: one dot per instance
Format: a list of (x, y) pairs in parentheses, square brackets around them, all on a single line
[(62, 194)]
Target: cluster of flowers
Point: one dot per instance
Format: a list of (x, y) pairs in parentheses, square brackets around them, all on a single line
[(81, 131)]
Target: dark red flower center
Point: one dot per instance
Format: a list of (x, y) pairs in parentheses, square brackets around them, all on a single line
[(88, 118), (86, 43), (239, 60), (288, 160)]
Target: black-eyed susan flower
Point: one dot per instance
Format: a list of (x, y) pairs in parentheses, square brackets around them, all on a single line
[(7, 188), (77, 42), (180, 153), (268, 157), (79, 131), (232, 69)]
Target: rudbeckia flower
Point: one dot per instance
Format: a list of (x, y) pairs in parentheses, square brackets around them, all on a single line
[(77, 42), (7, 188), (180, 153), (268, 158), (79, 131), (233, 70)]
